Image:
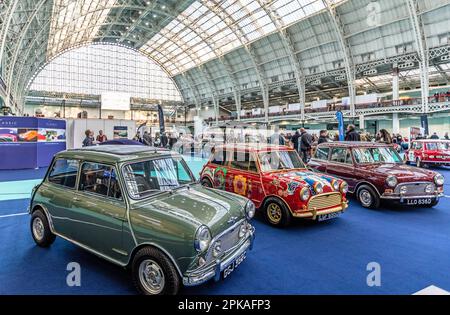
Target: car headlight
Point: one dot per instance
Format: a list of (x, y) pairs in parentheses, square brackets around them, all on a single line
[(335, 184), (344, 187), (429, 188), (305, 193), (250, 210), (439, 180), (318, 188), (391, 181), (202, 238)]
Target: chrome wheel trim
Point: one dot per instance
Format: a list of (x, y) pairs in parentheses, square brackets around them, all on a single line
[(151, 276), (38, 229), (418, 163), (274, 213), (365, 197)]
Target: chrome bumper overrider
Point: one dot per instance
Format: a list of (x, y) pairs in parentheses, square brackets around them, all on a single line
[(201, 275)]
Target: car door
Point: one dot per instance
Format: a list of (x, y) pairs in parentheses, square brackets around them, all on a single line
[(57, 191), (411, 152), (244, 178), (341, 165), (99, 209)]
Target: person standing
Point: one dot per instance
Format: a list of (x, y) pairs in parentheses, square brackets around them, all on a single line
[(147, 138), (446, 136), (351, 134), (164, 140), (323, 138), (89, 139), (295, 139), (101, 137), (385, 137), (276, 138), (434, 136), (305, 144)]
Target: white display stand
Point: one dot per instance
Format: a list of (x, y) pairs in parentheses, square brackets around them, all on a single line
[(77, 127)]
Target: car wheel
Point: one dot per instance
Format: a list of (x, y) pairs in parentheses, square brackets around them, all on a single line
[(153, 273), (206, 183), (419, 163), (368, 197), (40, 229), (276, 213)]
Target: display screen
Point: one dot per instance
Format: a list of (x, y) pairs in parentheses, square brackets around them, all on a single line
[(115, 101)]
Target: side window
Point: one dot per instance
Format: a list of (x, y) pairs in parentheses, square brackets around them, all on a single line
[(64, 172), (348, 157), (252, 166), (322, 153), (418, 146), (218, 157), (241, 160), (182, 173), (100, 179), (338, 155)]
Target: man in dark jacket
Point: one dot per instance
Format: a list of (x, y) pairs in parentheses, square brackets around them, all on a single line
[(434, 136), (295, 139), (351, 134), (323, 138), (305, 144)]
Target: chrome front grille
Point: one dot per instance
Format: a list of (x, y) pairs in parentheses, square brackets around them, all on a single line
[(325, 201), (415, 189), (228, 240)]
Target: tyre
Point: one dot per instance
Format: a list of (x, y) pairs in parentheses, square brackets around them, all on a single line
[(153, 273), (206, 183), (40, 229), (420, 164), (368, 197), (276, 213)]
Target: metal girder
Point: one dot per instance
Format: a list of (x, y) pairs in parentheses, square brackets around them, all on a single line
[(232, 24), (193, 91), (346, 51), (289, 47), (421, 46)]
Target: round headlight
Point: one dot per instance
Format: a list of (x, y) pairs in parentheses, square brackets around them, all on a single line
[(318, 188), (439, 180), (391, 181), (335, 184), (250, 210), (305, 193), (429, 188), (344, 187), (202, 238), (243, 230)]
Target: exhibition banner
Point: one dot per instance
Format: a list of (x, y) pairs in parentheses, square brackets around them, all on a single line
[(120, 132), (29, 142), (340, 119), (162, 128)]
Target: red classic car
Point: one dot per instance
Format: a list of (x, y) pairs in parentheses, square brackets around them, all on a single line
[(277, 181), (376, 172), (429, 153)]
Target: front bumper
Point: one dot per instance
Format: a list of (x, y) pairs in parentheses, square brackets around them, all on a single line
[(447, 162), (401, 198), (313, 214), (205, 273)]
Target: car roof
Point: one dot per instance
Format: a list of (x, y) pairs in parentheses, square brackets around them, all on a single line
[(347, 144), (114, 153), (254, 147)]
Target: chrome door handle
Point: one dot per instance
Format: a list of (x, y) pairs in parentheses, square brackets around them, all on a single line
[(76, 199)]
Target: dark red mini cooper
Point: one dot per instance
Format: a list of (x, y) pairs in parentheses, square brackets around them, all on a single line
[(375, 172)]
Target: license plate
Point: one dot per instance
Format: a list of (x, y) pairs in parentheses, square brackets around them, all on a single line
[(418, 202), (232, 267), (329, 216)]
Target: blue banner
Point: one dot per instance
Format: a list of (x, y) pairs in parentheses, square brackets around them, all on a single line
[(424, 124), (340, 119), (29, 142)]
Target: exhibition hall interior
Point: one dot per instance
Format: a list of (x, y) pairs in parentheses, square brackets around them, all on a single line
[(224, 147)]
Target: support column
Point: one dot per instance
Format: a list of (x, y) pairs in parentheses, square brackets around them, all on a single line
[(237, 99), (362, 122), (395, 123), (266, 104), (395, 84)]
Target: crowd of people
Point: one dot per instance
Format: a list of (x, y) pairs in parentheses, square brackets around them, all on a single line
[(304, 142)]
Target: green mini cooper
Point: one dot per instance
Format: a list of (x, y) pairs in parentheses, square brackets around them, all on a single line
[(141, 208)]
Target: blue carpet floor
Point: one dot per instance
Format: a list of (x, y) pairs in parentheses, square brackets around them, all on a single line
[(411, 245)]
